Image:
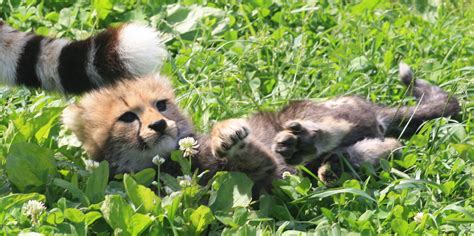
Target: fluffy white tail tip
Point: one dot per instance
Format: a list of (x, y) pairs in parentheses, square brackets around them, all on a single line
[(141, 49)]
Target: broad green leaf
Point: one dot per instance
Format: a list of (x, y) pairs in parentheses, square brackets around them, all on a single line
[(145, 177), (240, 216), (138, 223), (462, 148), (408, 161), (352, 184), (448, 187), (43, 132), (201, 218), (74, 215), (144, 200), (55, 216), (117, 212), (97, 182), (102, 7), (230, 190), (399, 226), (92, 216), (30, 167)]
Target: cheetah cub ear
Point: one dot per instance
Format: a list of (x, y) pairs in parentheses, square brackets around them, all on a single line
[(73, 120)]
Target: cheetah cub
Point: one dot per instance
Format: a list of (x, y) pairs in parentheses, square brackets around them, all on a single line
[(132, 121), (307, 132)]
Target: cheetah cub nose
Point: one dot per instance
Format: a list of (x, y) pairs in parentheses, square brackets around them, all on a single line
[(158, 126)]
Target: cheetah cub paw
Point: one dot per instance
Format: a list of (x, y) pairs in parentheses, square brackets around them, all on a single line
[(285, 144), (228, 137), (297, 137)]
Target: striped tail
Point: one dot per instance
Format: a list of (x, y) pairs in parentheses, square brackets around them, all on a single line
[(433, 102), (128, 51)]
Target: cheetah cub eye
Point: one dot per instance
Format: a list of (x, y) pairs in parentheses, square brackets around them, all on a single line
[(128, 117), (161, 105)]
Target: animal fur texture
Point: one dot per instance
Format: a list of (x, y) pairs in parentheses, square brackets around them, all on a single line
[(133, 121), (126, 52)]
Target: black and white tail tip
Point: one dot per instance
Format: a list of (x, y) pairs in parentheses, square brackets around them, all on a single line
[(74, 67)]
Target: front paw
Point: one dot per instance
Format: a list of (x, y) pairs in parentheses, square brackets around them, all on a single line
[(228, 136)]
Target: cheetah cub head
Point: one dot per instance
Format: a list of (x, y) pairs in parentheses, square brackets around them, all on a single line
[(128, 123)]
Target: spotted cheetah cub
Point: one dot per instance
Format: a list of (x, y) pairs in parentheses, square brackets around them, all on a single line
[(131, 122)]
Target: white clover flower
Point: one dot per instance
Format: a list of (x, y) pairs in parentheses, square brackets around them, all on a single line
[(184, 181), (157, 160), (33, 209), (91, 165), (286, 174), (189, 146), (418, 217)]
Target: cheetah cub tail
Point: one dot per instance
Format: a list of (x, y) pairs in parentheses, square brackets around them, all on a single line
[(73, 67), (432, 102)]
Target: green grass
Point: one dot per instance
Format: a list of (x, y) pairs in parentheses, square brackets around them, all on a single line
[(236, 59)]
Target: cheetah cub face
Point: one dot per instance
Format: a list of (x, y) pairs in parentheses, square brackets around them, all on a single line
[(129, 123)]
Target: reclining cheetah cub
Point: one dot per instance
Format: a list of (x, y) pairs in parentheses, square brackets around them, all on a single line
[(307, 131), (132, 121)]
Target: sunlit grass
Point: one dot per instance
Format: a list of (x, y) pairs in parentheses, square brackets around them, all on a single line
[(240, 58)]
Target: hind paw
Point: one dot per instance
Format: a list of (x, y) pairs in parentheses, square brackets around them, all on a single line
[(285, 144), (296, 140)]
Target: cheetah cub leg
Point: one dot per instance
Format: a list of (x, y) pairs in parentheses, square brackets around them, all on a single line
[(296, 142), (232, 140), (303, 140), (372, 150), (369, 150)]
